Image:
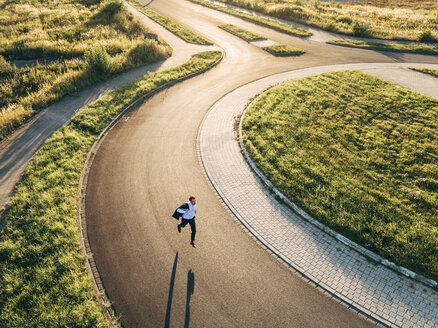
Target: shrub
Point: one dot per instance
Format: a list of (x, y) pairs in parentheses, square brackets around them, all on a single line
[(289, 12), (90, 3), (98, 60), (330, 27), (145, 52), (344, 19), (108, 10), (361, 29), (426, 36), (5, 67)]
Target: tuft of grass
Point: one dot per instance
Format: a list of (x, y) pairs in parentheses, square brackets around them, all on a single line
[(409, 48), (279, 26), (177, 29), (365, 166), (43, 282), (430, 71), (73, 44), (98, 60), (241, 33), (283, 50), (427, 36), (388, 19)]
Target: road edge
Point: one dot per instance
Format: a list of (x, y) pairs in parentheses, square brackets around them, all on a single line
[(90, 264)]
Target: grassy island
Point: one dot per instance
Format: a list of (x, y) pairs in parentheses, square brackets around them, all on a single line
[(357, 153)]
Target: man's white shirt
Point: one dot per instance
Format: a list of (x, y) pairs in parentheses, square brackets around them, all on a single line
[(190, 213)]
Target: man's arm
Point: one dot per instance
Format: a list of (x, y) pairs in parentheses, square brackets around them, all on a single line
[(183, 208)]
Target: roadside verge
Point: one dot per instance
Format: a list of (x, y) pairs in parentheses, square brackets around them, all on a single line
[(89, 261), (40, 254)]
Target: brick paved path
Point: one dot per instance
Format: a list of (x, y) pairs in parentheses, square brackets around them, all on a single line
[(379, 292)]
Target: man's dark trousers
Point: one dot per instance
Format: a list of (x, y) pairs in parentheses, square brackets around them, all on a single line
[(192, 226)]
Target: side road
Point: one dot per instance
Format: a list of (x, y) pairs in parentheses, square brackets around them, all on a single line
[(18, 149), (318, 34), (373, 288)]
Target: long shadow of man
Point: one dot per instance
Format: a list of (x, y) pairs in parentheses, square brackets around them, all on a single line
[(169, 300), (190, 291)]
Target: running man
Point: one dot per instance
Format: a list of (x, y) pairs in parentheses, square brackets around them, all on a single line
[(188, 212)]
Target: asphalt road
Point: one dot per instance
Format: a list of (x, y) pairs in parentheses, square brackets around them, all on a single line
[(148, 165)]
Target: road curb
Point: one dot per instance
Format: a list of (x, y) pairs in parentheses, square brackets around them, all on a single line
[(283, 55), (418, 52), (90, 264), (241, 37)]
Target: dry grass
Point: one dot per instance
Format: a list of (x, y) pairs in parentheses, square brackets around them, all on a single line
[(84, 41), (241, 33), (406, 19), (283, 50)]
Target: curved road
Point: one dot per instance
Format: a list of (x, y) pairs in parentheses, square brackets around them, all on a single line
[(147, 165)]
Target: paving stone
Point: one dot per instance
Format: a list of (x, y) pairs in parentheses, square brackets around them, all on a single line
[(338, 268)]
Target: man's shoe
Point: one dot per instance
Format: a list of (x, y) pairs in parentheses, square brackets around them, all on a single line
[(193, 244), (179, 228)]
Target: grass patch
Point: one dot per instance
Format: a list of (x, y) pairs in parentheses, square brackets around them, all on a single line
[(413, 48), (283, 50), (241, 33), (386, 19), (43, 282), (256, 19), (357, 153), (430, 71), (177, 29), (83, 41)]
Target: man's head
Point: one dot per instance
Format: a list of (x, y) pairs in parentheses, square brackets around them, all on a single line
[(192, 200)]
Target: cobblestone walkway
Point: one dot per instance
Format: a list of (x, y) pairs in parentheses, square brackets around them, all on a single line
[(376, 290)]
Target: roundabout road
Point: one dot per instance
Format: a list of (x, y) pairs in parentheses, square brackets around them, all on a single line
[(148, 164)]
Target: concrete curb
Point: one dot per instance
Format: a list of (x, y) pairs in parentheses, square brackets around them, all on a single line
[(418, 52), (367, 253), (276, 54), (90, 264), (241, 37)]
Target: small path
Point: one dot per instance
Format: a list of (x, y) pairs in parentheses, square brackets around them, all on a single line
[(374, 289), (19, 148)]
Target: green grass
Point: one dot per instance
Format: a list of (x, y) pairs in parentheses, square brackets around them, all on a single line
[(83, 41), (241, 33), (177, 29), (386, 19), (256, 19), (414, 48), (430, 71), (366, 166), (283, 50), (43, 282)]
